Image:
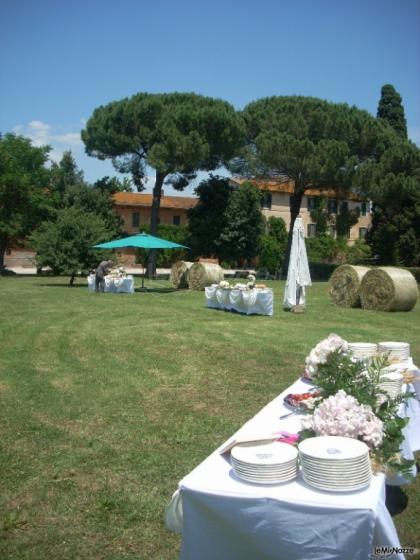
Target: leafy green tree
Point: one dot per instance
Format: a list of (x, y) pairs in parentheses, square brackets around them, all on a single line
[(345, 219), (24, 198), (391, 110), (244, 224), (276, 227), (112, 185), (317, 144), (394, 187), (66, 244), (70, 190), (272, 245), (320, 216), (207, 220), (174, 133), (64, 174)]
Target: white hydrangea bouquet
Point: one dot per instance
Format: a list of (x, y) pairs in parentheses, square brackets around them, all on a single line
[(320, 353), (349, 404)]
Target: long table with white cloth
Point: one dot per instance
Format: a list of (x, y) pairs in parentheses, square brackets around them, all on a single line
[(125, 284), (223, 517), (257, 301)]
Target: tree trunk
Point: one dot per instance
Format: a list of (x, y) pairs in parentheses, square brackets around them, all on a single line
[(3, 245), (72, 279), (157, 193), (294, 213)]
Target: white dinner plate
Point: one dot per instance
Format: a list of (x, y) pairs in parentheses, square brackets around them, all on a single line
[(274, 453), (333, 447)]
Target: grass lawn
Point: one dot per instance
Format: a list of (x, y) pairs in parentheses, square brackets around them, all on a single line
[(107, 400)]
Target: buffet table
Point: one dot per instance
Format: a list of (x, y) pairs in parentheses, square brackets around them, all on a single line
[(256, 301), (221, 516), (124, 284)]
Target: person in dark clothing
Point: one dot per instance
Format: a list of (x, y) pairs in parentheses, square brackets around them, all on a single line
[(100, 273)]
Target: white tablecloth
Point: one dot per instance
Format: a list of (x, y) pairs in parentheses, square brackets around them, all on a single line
[(223, 517), (115, 285), (252, 302)]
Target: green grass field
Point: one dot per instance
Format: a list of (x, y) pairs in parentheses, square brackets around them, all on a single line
[(107, 400)]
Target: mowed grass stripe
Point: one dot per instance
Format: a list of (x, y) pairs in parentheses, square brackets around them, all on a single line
[(108, 400)]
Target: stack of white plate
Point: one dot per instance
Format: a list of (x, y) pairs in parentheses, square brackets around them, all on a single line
[(267, 463), (334, 463), (363, 350), (391, 382), (396, 350)]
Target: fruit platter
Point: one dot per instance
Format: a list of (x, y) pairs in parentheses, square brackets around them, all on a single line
[(303, 401)]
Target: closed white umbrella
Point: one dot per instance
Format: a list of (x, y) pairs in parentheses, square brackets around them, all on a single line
[(298, 276)]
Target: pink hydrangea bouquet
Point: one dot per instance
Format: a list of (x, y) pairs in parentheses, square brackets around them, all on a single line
[(342, 415)]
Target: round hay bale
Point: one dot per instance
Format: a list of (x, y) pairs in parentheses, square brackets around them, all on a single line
[(179, 274), (389, 289), (202, 274), (345, 283)]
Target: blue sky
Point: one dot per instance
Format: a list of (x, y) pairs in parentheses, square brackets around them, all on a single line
[(59, 59)]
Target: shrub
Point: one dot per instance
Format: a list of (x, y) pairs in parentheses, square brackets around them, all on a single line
[(415, 271), (325, 249), (270, 254), (321, 271), (359, 253)]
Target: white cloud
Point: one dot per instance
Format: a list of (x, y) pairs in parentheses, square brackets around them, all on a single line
[(71, 138), (42, 134)]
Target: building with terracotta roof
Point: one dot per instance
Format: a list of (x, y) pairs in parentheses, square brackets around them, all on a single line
[(135, 209), (276, 202)]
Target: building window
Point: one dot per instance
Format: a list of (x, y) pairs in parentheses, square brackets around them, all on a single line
[(332, 206), (311, 203), (135, 219), (344, 207), (363, 208), (311, 230), (266, 200), (362, 232), (176, 220)]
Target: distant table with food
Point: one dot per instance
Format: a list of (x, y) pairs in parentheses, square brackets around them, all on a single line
[(115, 284), (255, 301), (240, 504)]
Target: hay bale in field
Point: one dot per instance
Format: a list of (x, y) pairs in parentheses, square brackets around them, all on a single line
[(389, 289), (202, 274), (179, 274), (345, 283)]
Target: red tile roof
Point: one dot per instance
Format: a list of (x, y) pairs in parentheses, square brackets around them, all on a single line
[(285, 185), (142, 199)]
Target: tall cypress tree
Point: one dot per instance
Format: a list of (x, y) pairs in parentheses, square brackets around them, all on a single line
[(391, 109)]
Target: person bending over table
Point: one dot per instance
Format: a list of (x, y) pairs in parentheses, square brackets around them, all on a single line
[(101, 272)]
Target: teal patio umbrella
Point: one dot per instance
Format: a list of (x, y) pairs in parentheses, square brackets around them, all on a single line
[(141, 241)]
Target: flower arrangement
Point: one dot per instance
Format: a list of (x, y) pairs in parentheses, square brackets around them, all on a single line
[(342, 415), (224, 284), (251, 284), (352, 404), (320, 353)]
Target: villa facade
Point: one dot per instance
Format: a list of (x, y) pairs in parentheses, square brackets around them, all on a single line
[(276, 202), (135, 210)]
